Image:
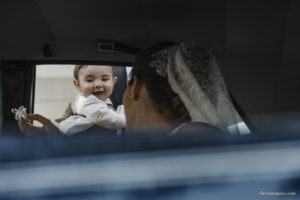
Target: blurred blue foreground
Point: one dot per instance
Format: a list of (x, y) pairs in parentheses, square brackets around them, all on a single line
[(259, 166)]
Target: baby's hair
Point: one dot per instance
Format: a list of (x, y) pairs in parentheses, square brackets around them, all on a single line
[(76, 70), (78, 67)]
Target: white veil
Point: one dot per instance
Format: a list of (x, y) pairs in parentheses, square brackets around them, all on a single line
[(193, 74)]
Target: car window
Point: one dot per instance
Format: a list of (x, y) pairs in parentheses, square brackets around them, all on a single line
[(54, 89)]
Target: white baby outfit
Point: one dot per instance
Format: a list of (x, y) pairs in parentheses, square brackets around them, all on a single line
[(92, 111)]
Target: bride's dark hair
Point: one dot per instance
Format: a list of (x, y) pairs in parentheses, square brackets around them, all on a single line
[(151, 67)]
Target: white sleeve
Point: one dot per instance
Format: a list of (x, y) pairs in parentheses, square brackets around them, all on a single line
[(98, 112), (74, 124), (120, 109)]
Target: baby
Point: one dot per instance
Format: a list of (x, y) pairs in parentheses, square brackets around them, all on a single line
[(92, 106)]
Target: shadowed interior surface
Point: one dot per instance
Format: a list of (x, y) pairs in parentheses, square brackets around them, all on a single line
[(256, 42)]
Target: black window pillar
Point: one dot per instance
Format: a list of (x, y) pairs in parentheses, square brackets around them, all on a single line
[(18, 84)]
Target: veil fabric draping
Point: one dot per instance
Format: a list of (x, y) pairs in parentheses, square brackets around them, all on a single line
[(193, 74)]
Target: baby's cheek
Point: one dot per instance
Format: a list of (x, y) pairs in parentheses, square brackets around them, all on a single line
[(87, 92), (109, 90)]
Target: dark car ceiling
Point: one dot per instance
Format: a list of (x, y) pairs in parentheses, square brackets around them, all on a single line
[(73, 28), (256, 42)]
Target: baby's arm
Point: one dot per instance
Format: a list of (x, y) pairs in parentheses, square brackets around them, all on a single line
[(98, 112)]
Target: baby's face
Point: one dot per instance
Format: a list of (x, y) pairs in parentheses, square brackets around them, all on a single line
[(96, 80)]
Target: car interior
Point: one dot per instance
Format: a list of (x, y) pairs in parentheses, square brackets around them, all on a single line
[(256, 44)]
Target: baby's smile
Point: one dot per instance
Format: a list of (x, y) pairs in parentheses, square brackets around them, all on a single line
[(98, 93)]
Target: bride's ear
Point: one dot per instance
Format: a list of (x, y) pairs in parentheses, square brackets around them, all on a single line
[(136, 88)]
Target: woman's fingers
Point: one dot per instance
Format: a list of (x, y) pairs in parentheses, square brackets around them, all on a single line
[(31, 128), (39, 118), (22, 124), (48, 126), (25, 126)]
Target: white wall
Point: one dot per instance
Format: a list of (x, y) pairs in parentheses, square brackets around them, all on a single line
[(54, 89)]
